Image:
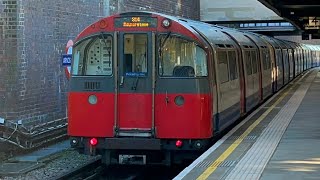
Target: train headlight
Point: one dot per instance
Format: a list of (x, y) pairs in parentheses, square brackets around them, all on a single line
[(103, 24), (166, 23), (179, 100), (198, 144), (93, 99), (74, 142)]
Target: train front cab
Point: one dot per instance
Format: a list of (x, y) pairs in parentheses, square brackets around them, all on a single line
[(140, 92)]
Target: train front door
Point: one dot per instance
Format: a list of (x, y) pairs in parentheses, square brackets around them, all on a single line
[(135, 81)]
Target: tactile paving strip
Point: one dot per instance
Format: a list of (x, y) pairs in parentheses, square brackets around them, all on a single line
[(246, 138), (205, 164)]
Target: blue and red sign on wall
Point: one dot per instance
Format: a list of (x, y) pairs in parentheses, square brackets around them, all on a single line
[(67, 58)]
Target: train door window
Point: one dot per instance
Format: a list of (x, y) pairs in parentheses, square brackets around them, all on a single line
[(267, 61), (135, 54), (232, 58), (254, 62), (285, 57), (223, 66), (264, 60), (279, 58), (181, 58), (247, 58), (93, 56)]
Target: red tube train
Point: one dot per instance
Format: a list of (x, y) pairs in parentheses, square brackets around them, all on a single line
[(151, 88)]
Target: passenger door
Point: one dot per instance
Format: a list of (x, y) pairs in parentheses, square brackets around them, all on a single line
[(135, 95)]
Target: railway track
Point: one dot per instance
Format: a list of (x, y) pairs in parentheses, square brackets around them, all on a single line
[(90, 170), (95, 170)]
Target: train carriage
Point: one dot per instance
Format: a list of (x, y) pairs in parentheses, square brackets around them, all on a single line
[(265, 66), (276, 62), (305, 57), (151, 88), (285, 61), (300, 59), (250, 68), (292, 58), (315, 55), (308, 58), (226, 85)]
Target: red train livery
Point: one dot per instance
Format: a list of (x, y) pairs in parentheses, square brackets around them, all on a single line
[(150, 88)]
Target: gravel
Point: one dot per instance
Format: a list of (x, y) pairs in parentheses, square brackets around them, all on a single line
[(59, 164)]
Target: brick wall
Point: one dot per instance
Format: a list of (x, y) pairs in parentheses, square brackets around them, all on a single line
[(8, 59), (184, 8), (33, 35)]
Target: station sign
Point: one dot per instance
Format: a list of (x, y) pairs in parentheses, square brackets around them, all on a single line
[(313, 23), (136, 22), (66, 59)]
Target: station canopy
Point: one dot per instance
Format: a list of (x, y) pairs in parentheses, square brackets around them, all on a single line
[(304, 14)]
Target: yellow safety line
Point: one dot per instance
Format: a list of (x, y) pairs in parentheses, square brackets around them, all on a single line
[(234, 145)]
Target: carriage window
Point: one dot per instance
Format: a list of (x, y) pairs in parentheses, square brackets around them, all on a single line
[(254, 62), (248, 62), (233, 65), (93, 56), (135, 54), (223, 66), (266, 60), (285, 57), (279, 58), (181, 58)]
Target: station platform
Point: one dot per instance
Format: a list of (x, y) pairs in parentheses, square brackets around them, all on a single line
[(279, 140)]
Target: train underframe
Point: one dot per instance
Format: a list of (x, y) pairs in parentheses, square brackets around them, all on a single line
[(142, 151)]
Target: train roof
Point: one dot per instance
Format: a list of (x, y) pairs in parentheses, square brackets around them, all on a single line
[(217, 36)]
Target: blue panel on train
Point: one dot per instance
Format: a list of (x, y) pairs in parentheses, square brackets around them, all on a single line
[(135, 74)]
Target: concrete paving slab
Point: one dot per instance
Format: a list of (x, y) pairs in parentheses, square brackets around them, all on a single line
[(42, 153)]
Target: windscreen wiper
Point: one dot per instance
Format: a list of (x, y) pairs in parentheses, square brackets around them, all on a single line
[(104, 39), (161, 45), (144, 59)]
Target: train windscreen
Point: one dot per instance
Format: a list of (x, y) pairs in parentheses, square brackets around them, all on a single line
[(93, 56), (181, 58)]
